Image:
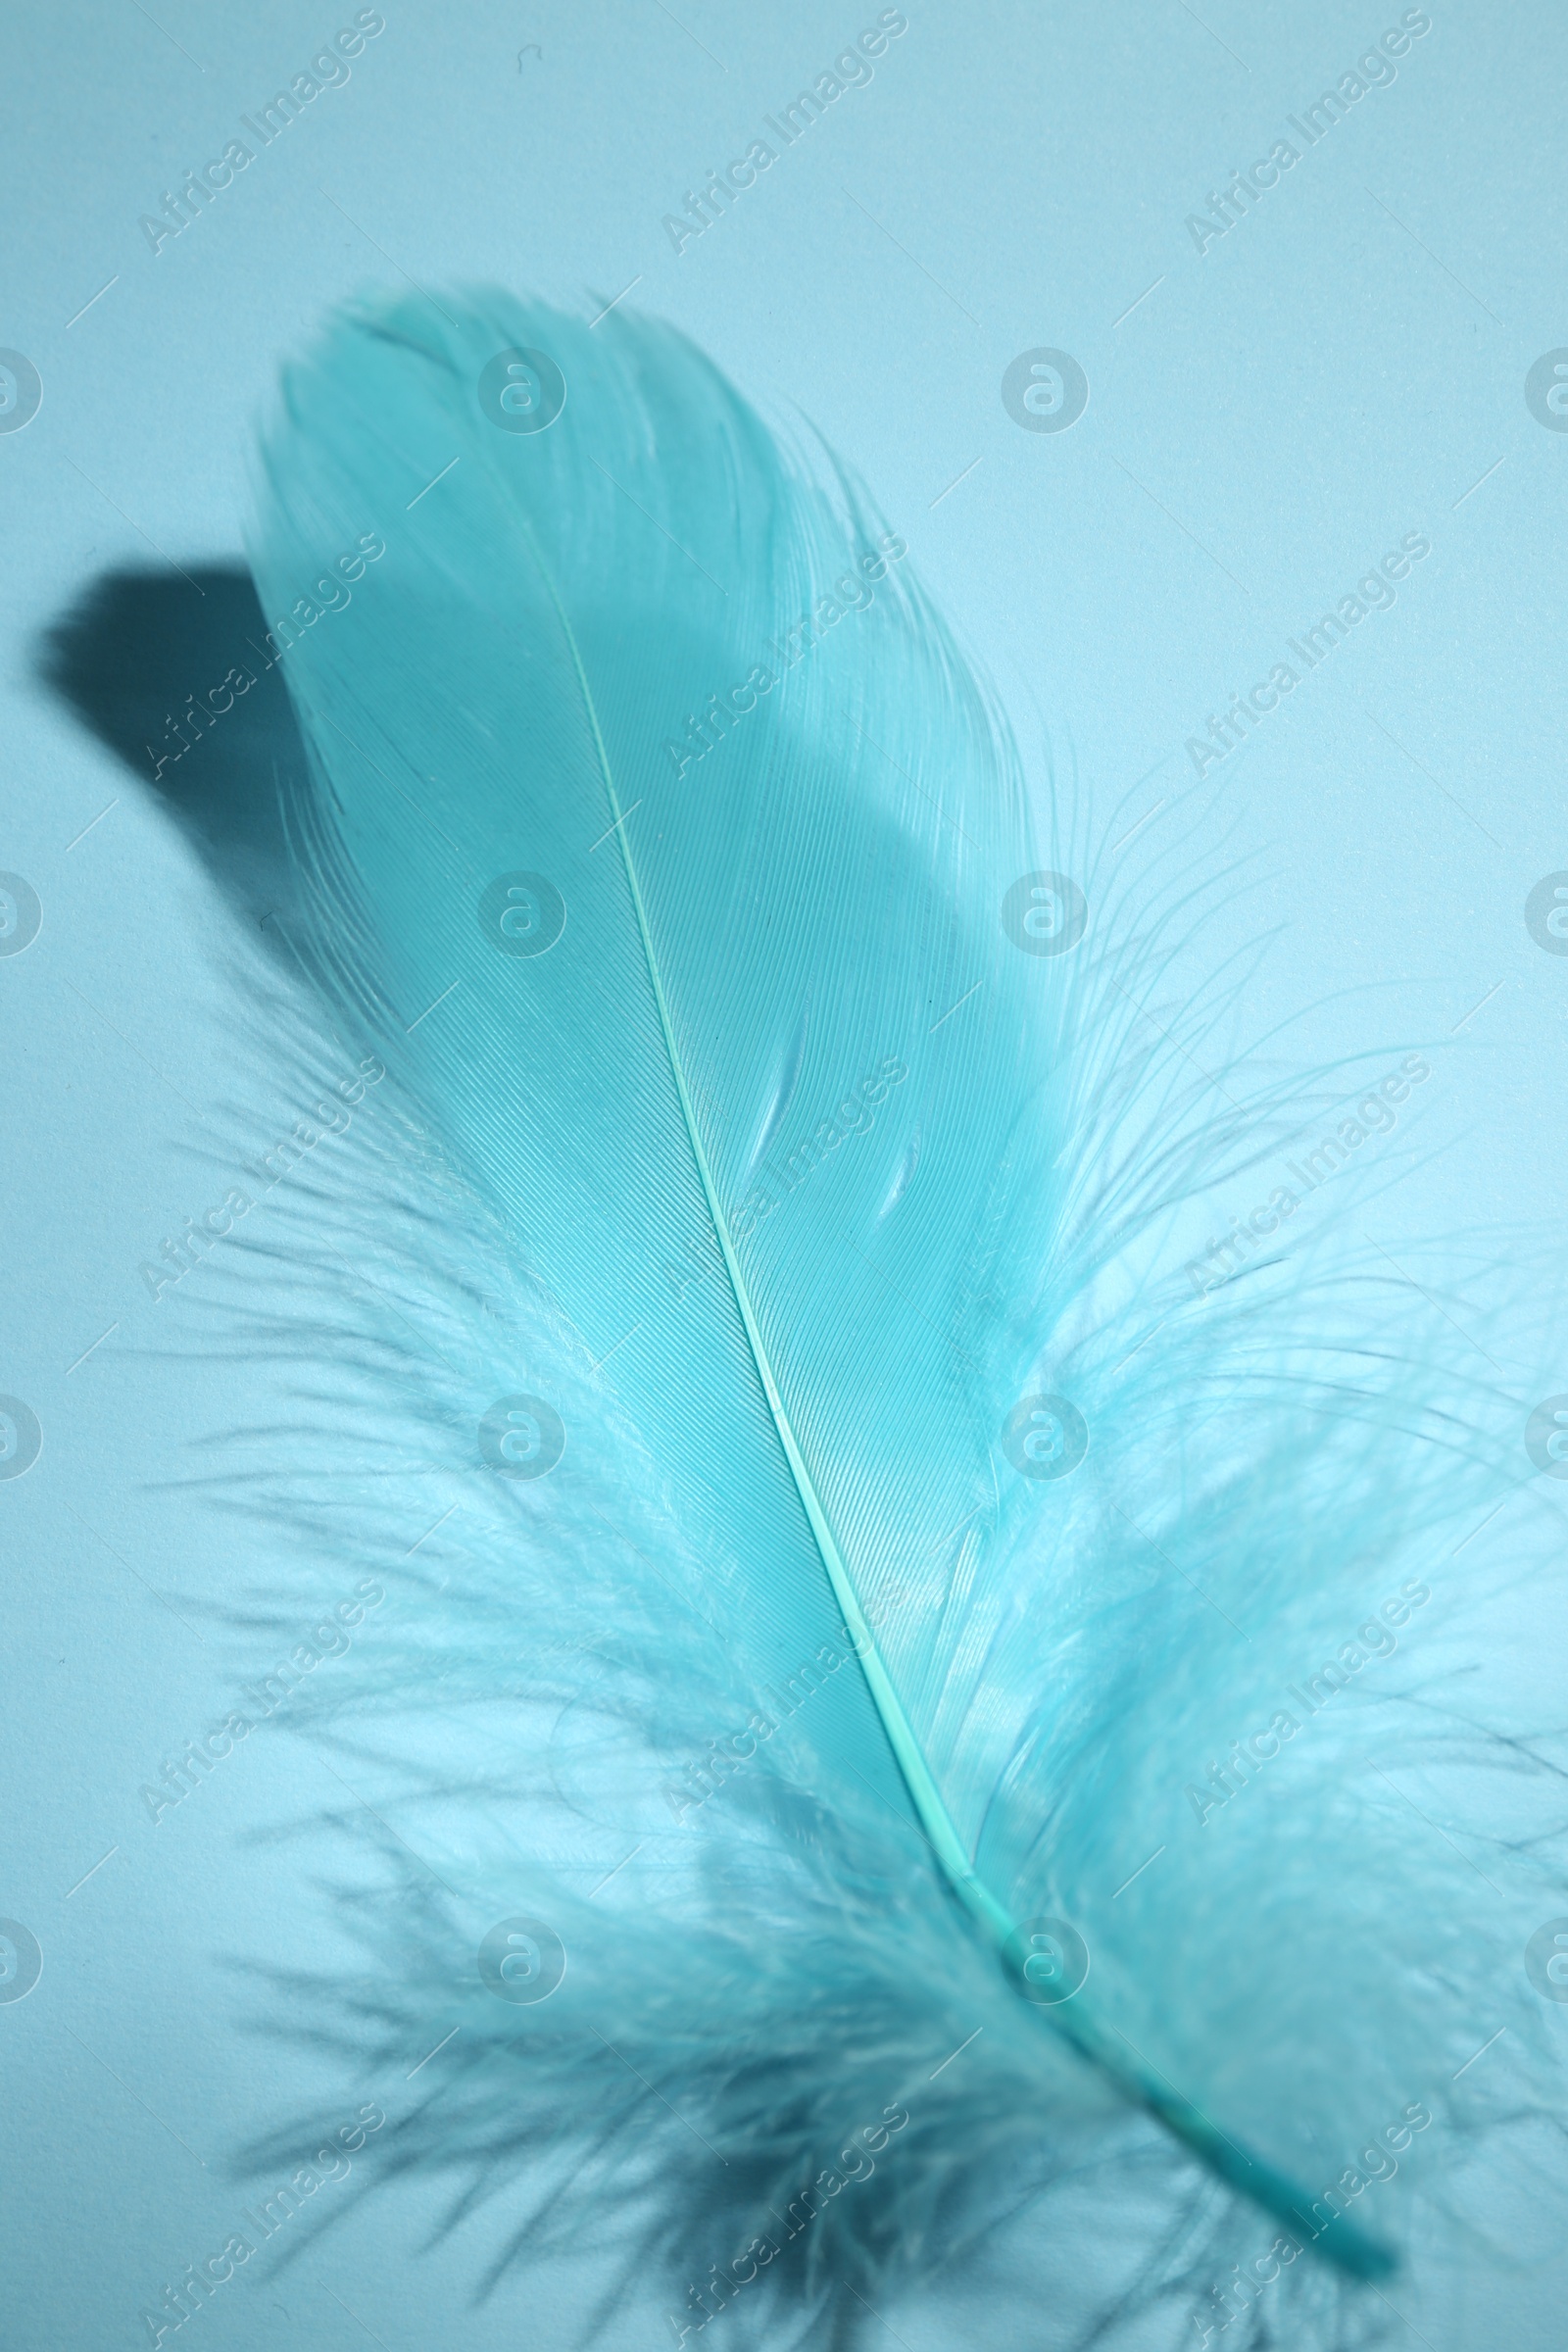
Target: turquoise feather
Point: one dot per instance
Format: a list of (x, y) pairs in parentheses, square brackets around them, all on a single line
[(698, 934)]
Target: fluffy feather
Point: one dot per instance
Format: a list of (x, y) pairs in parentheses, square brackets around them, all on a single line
[(781, 1176)]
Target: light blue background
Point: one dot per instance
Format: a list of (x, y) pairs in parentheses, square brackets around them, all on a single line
[(1346, 365)]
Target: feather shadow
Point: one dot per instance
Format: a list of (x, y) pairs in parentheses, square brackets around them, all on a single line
[(172, 676)]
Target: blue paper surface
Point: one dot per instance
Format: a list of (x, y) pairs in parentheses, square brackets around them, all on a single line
[(1279, 390)]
